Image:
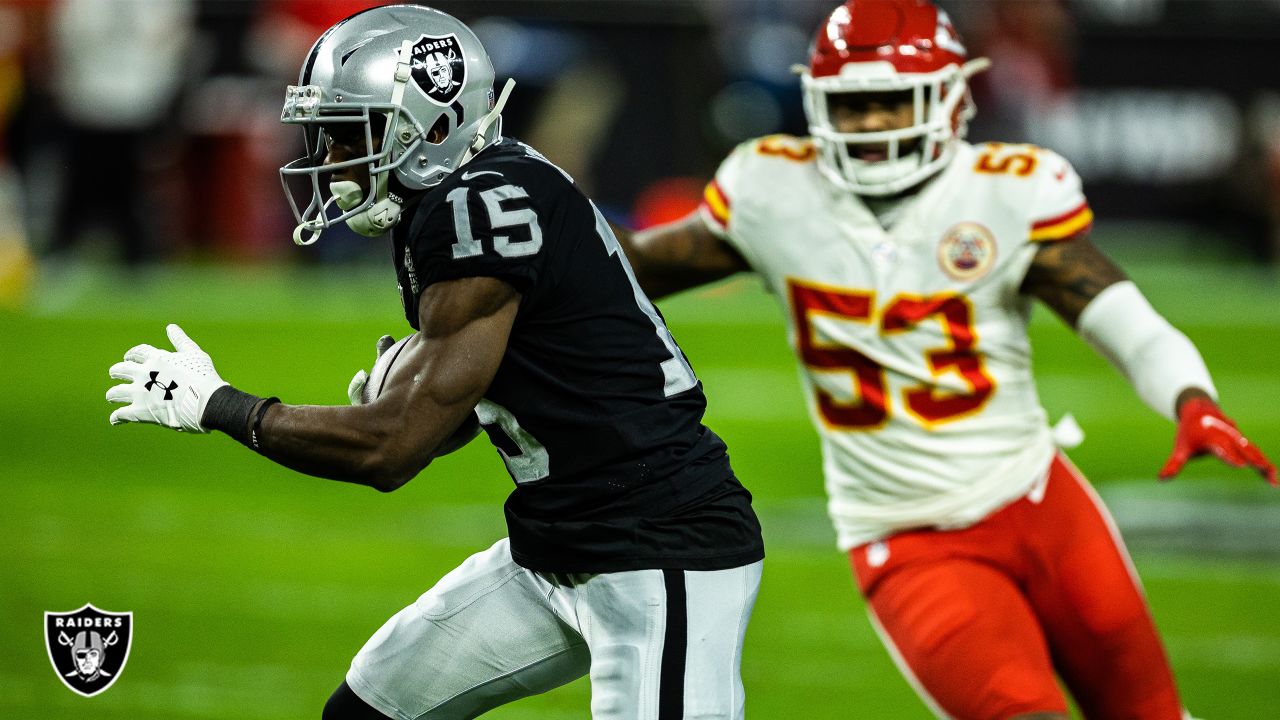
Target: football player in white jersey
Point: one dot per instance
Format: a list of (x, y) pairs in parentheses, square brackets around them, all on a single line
[(906, 261)]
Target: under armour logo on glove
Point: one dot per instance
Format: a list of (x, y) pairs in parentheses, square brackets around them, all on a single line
[(191, 380), (168, 389)]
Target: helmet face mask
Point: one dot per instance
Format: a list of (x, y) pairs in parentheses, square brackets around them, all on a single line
[(940, 111), (309, 195), (418, 84), (883, 47)]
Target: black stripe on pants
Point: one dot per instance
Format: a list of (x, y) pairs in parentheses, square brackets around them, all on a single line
[(675, 643)]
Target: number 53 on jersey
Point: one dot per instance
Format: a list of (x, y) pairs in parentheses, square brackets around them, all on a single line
[(925, 401)]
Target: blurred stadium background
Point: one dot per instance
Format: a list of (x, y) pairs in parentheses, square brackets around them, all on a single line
[(138, 151)]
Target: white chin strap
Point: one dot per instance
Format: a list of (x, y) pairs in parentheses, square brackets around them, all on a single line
[(494, 115), (308, 231)]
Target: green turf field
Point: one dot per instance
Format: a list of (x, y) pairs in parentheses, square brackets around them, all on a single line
[(251, 587)]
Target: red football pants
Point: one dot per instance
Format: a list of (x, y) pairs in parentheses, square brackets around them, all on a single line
[(979, 619)]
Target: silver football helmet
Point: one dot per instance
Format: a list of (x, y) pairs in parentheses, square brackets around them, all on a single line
[(403, 76)]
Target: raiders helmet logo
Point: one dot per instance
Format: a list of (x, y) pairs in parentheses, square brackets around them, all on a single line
[(439, 68), (967, 251), (88, 647)]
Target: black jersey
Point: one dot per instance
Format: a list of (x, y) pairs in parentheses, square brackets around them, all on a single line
[(594, 408)]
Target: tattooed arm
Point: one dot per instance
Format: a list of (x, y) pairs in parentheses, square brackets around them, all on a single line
[(1066, 276), (1107, 310), (678, 256)]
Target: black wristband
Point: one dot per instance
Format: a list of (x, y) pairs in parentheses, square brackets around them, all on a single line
[(255, 433), (230, 411)]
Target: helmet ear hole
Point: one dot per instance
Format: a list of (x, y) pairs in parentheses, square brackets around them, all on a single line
[(439, 131)]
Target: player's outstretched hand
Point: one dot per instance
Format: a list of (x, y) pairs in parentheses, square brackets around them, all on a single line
[(1203, 429), (355, 390), (164, 388)]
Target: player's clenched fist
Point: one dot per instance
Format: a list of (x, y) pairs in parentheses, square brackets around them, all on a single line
[(163, 387), (1203, 429)]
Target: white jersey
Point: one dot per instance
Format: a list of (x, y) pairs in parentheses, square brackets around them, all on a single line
[(912, 340)]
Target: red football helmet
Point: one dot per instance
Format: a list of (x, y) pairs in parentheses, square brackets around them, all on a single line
[(889, 46)]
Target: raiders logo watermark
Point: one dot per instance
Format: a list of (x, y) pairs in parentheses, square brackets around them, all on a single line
[(88, 647), (967, 251), (439, 68)]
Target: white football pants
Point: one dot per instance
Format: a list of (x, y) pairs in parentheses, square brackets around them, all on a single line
[(658, 644)]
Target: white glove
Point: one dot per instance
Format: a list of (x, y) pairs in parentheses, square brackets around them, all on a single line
[(165, 388), (355, 390)]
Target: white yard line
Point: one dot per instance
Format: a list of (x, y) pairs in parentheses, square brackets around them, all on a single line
[(1153, 518)]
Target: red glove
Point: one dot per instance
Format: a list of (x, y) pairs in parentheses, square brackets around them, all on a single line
[(1203, 429)]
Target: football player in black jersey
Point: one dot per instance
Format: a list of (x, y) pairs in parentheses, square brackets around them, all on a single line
[(633, 552)]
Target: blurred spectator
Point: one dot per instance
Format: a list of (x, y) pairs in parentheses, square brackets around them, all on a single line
[(615, 93), (236, 144), (1273, 202), (156, 121), (16, 266), (666, 201), (570, 90), (286, 29), (1031, 45), (121, 65), (1267, 122), (759, 42)]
